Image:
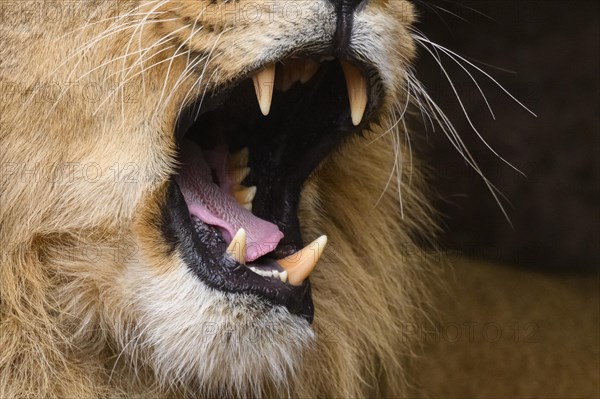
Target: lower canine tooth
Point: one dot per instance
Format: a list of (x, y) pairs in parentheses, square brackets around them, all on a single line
[(237, 247), (264, 82), (357, 92), (302, 263)]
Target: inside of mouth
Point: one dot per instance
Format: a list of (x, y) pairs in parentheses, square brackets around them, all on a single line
[(211, 183), (240, 169)]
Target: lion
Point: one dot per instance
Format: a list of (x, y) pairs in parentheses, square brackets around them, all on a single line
[(171, 173), (216, 198)]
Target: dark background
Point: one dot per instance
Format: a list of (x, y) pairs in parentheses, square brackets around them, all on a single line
[(546, 53)]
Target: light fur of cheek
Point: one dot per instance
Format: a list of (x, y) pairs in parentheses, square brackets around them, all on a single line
[(194, 333)]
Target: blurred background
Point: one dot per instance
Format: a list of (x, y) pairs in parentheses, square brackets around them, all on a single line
[(538, 287), (546, 53)]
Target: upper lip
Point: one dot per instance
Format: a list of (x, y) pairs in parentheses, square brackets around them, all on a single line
[(205, 251)]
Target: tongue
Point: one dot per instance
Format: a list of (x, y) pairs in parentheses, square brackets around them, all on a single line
[(211, 202)]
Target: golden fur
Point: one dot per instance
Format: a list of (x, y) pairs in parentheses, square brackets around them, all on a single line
[(91, 305), (506, 332)]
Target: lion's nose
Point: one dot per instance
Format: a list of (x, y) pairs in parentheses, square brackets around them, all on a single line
[(345, 10)]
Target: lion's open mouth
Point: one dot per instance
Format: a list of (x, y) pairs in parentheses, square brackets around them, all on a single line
[(232, 207)]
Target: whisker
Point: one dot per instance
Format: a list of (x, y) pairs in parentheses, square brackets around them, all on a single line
[(462, 106), (457, 3), (450, 52), (69, 78), (124, 82), (201, 77), (409, 145), (454, 138), (188, 68), (100, 21), (141, 25), (434, 8), (474, 81)]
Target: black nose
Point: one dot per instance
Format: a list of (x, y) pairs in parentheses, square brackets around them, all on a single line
[(345, 18)]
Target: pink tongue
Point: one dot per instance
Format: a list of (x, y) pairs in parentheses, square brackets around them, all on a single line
[(212, 203)]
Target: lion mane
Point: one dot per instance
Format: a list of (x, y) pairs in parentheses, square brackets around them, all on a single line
[(94, 302)]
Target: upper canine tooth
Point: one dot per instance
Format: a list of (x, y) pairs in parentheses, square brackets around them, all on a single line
[(264, 81), (302, 263), (244, 195), (310, 69), (237, 247), (357, 92)]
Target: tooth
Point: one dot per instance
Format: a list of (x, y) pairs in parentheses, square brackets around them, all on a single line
[(248, 206), (357, 91), (238, 175), (239, 159), (291, 73), (244, 195), (287, 81), (263, 273), (283, 276), (302, 263), (284, 82), (264, 80), (310, 69), (237, 247)]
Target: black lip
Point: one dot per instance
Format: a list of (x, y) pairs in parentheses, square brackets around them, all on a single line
[(305, 125)]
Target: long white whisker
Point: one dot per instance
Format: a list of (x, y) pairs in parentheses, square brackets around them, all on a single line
[(124, 82), (141, 25), (143, 52), (201, 77), (395, 124), (64, 92), (115, 18), (450, 52), (409, 145), (462, 106), (458, 144), (472, 79), (75, 53), (189, 68)]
